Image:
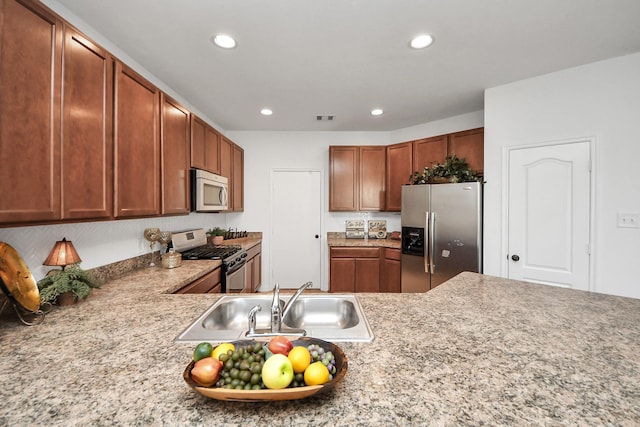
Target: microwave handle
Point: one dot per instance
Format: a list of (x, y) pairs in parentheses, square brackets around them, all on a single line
[(224, 196)]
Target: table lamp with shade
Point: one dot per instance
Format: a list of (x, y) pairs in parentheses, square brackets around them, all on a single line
[(62, 254)]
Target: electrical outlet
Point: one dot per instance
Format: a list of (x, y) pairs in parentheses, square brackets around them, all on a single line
[(628, 220)]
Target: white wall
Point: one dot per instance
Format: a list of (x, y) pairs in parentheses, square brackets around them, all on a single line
[(600, 100)]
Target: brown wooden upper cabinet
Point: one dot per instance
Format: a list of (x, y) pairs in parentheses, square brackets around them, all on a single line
[(357, 178), (408, 157), (30, 85), (399, 170), (237, 179), (175, 138), (427, 151), (56, 148), (205, 146), (137, 145), (469, 145), (83, 136), (87, 144)]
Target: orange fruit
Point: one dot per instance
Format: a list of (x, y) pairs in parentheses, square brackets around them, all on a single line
[(300, 358), (316, 374)]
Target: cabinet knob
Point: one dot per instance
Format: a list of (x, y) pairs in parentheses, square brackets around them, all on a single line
[(317, 236), (515, 258)]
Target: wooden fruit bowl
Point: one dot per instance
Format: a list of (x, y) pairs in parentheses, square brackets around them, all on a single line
[(283, 394)]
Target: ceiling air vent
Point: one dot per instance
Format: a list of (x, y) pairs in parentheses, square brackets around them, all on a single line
[(324, 118)]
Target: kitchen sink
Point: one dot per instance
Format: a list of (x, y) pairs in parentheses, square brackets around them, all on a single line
[(331, 317)]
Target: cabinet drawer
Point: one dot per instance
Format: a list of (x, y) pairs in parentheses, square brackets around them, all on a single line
[(203, 285), (351, 252), (390, 253)]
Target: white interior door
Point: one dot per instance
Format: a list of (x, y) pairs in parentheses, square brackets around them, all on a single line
[(549, 214), (296, 228)]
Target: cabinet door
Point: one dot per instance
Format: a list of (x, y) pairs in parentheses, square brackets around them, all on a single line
[(342, 275), (391, 276), (209, 283), (367, 274), (198, 143), (205, 146), (238, 179), (87, 144), (343, 178), (372, 178), (226, 165), (257, 273), (399, 171), (30, 81), (428, 151), (470, 146), (175, 128), (249, 272), (212, 149), (137, 145)]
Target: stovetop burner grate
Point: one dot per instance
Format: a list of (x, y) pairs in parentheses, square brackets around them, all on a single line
[(209, 252)]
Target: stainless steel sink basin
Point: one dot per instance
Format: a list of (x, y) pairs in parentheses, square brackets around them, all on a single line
[(331, 317)]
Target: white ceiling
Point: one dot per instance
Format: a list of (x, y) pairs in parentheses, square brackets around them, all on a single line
[(304, 58)]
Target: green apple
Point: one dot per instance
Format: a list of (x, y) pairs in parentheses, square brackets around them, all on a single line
[(277, 372)]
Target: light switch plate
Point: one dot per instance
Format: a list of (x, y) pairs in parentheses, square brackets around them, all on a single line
[(628, 220)]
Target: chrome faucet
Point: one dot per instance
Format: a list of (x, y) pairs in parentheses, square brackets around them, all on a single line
[(276, 314), (279, 314)]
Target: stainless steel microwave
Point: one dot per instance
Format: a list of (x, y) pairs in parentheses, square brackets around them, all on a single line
[(209, 192)]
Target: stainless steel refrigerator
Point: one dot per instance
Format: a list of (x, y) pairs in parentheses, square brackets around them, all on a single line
[(441, 233)]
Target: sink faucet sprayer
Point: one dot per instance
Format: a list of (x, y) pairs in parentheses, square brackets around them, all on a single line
[(278, 314)]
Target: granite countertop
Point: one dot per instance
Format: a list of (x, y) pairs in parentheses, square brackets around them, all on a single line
[(475, 350), (339, 239), (245, 243)]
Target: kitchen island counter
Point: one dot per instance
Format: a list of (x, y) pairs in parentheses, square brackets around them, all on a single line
[(477, 349)]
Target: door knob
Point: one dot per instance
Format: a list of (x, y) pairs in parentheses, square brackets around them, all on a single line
[(515, 258)]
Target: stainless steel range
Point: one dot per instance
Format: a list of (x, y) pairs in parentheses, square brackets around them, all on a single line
[(192, 244)]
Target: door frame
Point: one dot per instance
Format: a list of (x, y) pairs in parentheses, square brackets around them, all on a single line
[(504, 244), (323, 251)]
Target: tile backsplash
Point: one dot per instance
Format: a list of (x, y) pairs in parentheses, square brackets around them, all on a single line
[(98, 243)]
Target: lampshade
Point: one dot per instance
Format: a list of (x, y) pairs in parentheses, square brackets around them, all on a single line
[(63, 253)]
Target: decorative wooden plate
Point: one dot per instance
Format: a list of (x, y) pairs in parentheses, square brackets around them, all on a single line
[(16, 279), (293, 393)]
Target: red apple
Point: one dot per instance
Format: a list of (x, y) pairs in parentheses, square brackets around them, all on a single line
[(280, 345), (205, 372)]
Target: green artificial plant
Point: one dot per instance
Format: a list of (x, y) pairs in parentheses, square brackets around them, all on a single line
[(72, 279), (217, 231), (453, 170)]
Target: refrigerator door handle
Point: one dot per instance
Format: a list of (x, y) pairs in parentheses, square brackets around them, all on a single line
[(427, 267), (432, 241)]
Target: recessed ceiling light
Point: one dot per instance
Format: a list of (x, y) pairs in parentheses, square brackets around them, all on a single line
[(224, 41), (421, 41), (266, 112), (376, 112)]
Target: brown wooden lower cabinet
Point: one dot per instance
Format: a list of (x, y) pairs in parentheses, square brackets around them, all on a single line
[(391, 276), (254, 268), (354, 269), (210, 283)]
